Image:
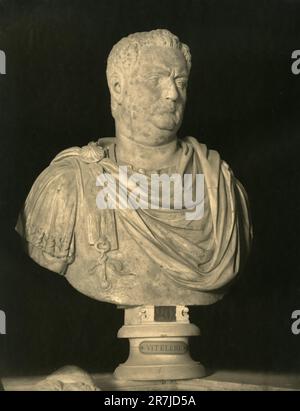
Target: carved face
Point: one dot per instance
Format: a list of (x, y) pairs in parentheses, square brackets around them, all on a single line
[(154, 96)]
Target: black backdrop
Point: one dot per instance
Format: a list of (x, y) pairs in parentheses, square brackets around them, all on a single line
[(243, 101)]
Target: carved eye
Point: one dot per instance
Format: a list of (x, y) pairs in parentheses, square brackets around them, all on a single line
[(181, 83), (153, 81)]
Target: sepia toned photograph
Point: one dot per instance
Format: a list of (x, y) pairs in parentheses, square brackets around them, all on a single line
[(149, 198)]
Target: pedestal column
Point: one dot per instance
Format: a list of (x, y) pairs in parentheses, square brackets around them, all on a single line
[(159, 348)]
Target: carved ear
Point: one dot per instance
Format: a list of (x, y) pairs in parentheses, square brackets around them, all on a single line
[(116, 87)]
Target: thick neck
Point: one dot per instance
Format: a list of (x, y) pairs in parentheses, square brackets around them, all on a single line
[(147, 157)]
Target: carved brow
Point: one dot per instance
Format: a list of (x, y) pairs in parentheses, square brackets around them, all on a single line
[(158, 72)]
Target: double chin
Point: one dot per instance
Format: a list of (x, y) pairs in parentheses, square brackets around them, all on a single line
[(157, 129)]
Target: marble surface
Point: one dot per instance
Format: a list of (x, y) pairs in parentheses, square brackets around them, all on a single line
[(223, 380), (123, 254)]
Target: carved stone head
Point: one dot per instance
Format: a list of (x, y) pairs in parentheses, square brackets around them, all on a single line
[(147, 75)]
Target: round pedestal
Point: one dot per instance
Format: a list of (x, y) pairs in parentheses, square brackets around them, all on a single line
[(159, 350)]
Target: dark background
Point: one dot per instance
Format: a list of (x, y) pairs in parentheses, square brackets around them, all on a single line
[(243, 101)]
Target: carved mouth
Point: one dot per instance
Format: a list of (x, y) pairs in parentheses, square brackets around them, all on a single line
[(168, 110)]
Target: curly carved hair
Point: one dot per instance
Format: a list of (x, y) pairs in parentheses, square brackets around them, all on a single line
[(124, 55)]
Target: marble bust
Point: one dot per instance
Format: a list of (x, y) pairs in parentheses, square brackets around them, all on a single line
[(140, 256)]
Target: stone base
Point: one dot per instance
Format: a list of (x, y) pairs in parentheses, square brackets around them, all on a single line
[(159, 372), (218, 381), (159, 350)]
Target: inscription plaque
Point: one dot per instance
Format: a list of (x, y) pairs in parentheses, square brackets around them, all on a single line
[(166, 347)]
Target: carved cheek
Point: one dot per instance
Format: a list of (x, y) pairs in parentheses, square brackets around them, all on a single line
[(183, 95), (153, 97), (146, 93)]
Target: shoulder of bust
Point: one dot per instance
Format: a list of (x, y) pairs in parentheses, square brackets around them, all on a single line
[(90, 153), (202, 150)]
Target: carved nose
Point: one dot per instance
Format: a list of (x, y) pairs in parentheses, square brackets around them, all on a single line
[(171, 92)]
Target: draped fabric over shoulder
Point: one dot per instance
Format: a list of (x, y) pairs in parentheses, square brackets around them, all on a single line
[(143, 255), (195, 255), (48, 218)]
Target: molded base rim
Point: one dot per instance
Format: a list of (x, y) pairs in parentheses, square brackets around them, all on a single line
[(160, 372)]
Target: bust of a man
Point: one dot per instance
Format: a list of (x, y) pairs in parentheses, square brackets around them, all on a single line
[(140, 255)]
